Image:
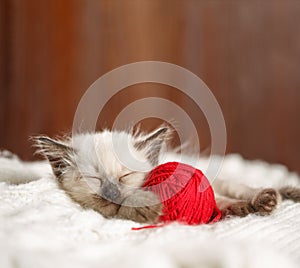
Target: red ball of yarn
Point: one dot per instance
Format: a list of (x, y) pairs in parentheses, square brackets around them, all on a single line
[(185, 192)]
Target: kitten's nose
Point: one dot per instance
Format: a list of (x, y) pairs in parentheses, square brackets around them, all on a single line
[(110, 192)]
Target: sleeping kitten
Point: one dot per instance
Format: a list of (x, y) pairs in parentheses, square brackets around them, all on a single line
[(89, 171)]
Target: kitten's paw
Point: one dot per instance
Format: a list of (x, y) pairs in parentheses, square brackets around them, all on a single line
[(265, 201), (240, 209), (291, 193), (142, 206)]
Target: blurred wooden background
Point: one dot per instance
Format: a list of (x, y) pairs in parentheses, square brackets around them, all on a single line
[(247, 52)]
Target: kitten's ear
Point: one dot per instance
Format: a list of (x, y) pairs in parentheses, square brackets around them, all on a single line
[(153, 143), (58, 153)]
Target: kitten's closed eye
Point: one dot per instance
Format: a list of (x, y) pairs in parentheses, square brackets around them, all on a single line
[(100, 181), (93, 182), (126, 176)]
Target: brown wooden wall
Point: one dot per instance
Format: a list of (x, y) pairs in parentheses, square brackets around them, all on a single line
[(247, 52)]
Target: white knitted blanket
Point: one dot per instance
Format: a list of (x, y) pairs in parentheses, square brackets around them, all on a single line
[(41, 227)]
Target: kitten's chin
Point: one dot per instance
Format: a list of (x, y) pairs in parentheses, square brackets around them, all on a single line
[(108, 208)]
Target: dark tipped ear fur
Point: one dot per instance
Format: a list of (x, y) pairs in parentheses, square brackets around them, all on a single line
[(58, 153), (153, 143)]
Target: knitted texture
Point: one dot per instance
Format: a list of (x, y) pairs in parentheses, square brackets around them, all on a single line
[(185, 193)]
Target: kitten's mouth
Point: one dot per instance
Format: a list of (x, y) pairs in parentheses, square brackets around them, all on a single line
[(108, 203), (104, 202)]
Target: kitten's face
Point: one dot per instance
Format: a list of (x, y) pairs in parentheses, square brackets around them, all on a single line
[(105, 166)]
